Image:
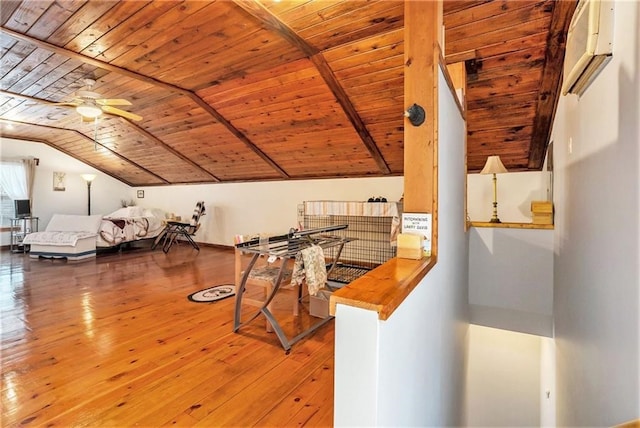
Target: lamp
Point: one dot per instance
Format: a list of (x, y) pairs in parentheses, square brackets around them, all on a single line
[(88, 178), (89, 109), (494, 166)]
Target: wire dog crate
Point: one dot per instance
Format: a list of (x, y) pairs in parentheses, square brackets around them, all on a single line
[(372, 226)]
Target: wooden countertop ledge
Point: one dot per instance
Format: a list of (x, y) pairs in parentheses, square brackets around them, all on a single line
[(509, 225), (384, 288)]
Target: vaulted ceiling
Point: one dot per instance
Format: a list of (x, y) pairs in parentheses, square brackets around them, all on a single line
[(252, 90)]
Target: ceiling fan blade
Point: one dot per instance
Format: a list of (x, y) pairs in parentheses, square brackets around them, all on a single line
[(122, 113), (113, 102), (68, 103)]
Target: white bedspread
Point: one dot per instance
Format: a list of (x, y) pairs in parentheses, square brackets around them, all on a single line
[(56, 238), (114, 231)]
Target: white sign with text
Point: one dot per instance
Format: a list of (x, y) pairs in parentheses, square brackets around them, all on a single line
[(419, 224)]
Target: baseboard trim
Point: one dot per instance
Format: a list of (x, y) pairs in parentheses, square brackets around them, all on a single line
[(202, 244), (218, 246)]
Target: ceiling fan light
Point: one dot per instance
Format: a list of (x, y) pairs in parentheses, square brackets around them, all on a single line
[(89, 110)]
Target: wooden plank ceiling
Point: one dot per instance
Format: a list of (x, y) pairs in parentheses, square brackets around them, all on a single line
[(265, 90)]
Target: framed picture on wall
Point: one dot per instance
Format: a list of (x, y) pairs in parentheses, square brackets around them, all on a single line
[(140, 194), (58, 181)]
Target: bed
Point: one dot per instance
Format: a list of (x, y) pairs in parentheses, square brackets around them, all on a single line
[(76, 237), (129, 224), (72, 237)]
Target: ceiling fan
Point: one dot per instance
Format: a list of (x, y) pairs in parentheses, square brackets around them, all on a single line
[(91, 104)]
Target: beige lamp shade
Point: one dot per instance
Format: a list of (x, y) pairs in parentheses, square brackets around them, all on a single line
[(88, 177), (493, 166)]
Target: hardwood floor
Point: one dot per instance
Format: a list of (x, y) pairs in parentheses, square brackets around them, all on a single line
[(115, 342)]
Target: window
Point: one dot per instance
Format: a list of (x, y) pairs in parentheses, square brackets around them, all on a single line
[(16, 177), (6, 209)]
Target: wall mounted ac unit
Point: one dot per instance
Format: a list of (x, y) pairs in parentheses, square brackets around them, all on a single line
[(589, 44)]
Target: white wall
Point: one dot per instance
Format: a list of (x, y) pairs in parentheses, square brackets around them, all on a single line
[(516, 190), (503, 378), (232, 208), (548, 390), (597, 239), (106, 192), (410, 369), (511, 279), (425, 383), (267, 207)]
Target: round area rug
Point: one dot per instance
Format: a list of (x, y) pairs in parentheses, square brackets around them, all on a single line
[(213, 294)]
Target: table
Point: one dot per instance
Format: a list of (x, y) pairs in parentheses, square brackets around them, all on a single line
[(285, 247), (21, 227)]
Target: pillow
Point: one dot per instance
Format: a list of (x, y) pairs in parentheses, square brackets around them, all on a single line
[(74, 223)]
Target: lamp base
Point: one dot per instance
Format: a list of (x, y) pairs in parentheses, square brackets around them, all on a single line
[(494, 216)]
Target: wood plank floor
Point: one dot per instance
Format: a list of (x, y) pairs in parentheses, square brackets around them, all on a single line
[(115, 342)]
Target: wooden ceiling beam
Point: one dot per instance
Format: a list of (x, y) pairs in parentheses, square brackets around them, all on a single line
[(239, 135), (167, 86), (132, 125), (551, 83), (83, 136), (421, 63), (269, 20), (88, 60), (68, 153), (167, 147)]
